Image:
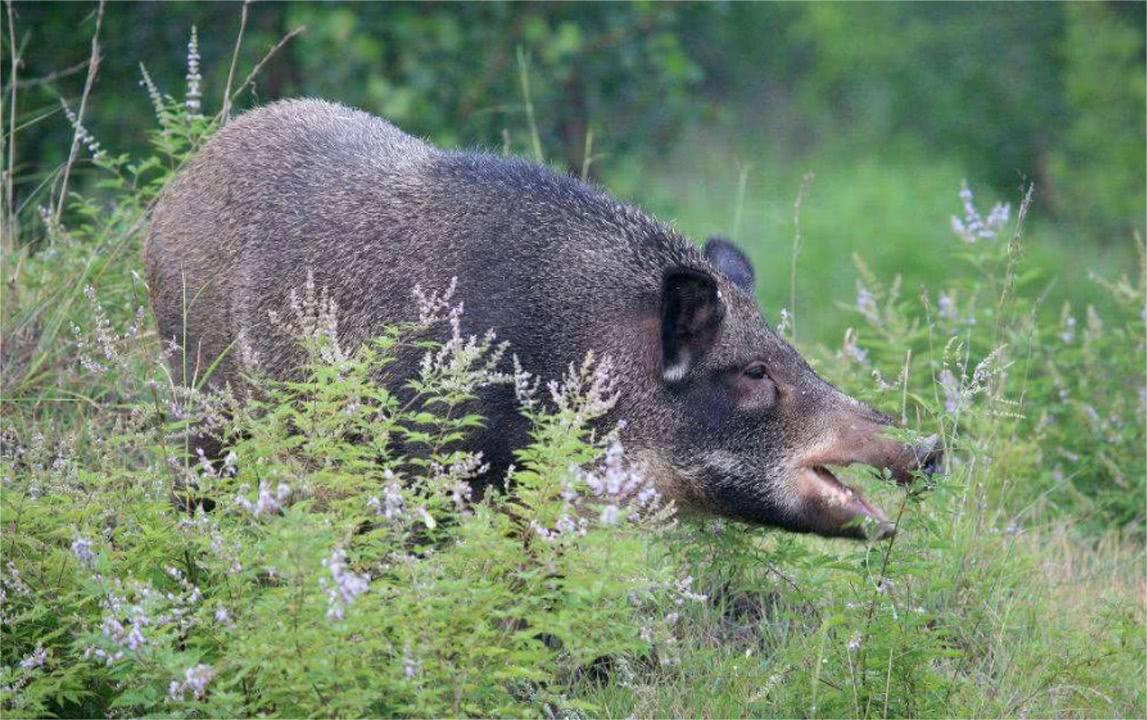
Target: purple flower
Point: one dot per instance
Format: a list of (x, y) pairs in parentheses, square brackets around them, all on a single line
[(82, 549), (267, 503), (953, 393), (38, 657), (973, 226), (195, 680), (392, 505), (1067, 332), (344, 585), (866, 304), (946, 306)]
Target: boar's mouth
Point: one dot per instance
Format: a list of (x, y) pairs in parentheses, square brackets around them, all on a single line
[(829, 507), (834, 509)]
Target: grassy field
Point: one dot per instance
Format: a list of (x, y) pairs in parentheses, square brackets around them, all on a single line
[(337, 577), (892, 210)]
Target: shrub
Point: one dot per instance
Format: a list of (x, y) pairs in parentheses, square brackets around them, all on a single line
[(329, 560)]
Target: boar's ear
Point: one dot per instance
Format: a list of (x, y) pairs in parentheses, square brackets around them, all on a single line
[(691, 314), (731, 262)]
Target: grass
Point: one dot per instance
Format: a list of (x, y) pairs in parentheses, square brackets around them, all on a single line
[(758, 658), (892, 209), (342, 576)]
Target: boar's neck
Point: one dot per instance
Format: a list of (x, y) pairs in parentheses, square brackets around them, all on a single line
[(556, 267)]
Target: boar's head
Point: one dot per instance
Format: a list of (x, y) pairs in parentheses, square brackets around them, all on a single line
[(746, 428)]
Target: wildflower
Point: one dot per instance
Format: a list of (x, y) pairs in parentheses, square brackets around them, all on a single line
[(524, 390), (542, 531), (430, 306), (11, 580), (854, 644), (953, 393), (82, 134), (684, 589), (615, 483), (454, 478), (315, 322), (267, 503), (985, 370), (785, 322), (973, 226), (998, 217), (205, 465), (460, 494), (647, 496), (344, 585), (584, 393), (82, 549), (193, 77), (392, 504), (152, 92), (946, 306), (229, 462), (410, 666), (106, 338), (130, 637), (852, 350), (866, 303), (463, 364), (222, 615), (38, 657), (48, 218), (1067, 329), (566, 525), (128, 615), (616, 480), (195, 680)]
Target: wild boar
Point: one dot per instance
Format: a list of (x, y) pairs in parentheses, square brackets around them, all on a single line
[(725, 416)]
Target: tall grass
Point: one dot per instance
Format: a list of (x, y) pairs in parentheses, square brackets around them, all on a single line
[(322, 568)]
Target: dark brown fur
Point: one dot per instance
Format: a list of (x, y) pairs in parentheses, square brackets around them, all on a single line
[(554, 266)]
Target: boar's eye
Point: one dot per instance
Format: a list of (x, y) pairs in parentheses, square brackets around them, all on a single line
[(753, 389), (756, 371)]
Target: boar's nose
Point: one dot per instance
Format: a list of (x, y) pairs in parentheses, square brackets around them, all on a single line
[(929, 454), (924, 458)]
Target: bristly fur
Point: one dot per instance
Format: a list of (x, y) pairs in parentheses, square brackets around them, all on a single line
[(553, 265)]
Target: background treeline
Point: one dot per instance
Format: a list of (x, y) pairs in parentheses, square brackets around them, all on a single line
[(1048, 91)]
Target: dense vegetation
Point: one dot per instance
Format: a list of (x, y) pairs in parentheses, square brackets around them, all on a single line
[(890, 105), (334, 575)]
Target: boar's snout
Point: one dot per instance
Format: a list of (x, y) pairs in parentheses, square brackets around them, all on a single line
[(858, 434), (929, 454)]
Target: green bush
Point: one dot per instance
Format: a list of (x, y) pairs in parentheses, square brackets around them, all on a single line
[(329, 561)]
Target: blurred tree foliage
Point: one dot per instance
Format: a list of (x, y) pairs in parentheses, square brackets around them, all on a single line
[(1098, 166), (1048, 91)]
